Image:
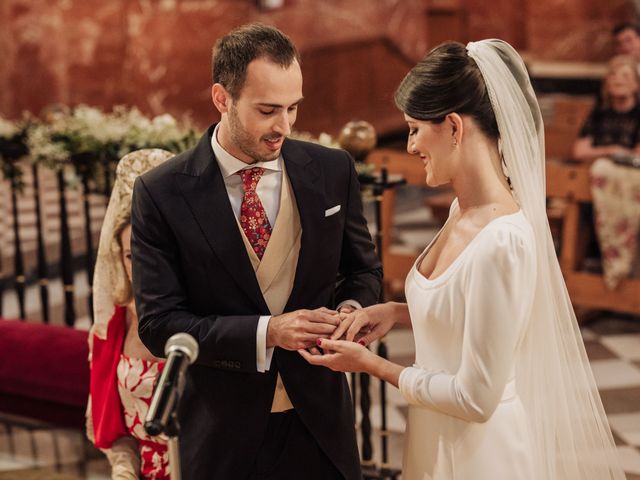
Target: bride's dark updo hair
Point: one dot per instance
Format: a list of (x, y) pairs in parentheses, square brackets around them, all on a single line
[(447, 80)]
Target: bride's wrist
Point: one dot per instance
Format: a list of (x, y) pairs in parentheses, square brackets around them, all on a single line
[(400, 313), (391, 311), (375, 365), (386, 370)]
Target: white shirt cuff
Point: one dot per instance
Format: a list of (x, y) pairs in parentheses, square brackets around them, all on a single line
[(354, 303), (263, 354)]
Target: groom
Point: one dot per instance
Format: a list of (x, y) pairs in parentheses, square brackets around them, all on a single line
[(242, 242)]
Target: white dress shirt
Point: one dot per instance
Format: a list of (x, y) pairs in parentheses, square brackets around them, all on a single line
[(268, 190)]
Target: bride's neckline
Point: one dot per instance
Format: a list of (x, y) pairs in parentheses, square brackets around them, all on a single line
[(433, 281)]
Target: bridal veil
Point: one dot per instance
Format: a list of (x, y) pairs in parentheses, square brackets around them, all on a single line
[(571, 435)]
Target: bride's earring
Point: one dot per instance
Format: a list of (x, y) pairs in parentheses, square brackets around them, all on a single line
[(505, 171)]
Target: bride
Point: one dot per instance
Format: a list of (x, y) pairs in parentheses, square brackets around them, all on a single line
[(501, 387)]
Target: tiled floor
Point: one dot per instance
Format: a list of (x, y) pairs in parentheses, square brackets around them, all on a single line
[(30, 450), (616, 366), (614, 361)]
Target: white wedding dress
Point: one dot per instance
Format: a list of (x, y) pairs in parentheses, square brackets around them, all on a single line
[(466, 420), (502, 387)]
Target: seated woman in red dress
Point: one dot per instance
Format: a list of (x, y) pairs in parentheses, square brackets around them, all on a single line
[(123, 370)]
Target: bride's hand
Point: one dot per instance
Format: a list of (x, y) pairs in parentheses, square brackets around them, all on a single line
[(341, 356), (366, 325)]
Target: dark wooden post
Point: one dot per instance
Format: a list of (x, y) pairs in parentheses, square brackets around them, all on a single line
[(12, 150), (106, 161), (18, 259), (365, 426), (88, 240), (66, 259), (43, 275)]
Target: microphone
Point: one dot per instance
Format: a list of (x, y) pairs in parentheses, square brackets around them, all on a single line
[(181, 351)]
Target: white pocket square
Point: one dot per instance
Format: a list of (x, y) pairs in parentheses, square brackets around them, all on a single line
[(331, 211)]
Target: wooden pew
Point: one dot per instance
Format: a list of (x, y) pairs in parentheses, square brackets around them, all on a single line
[(571, 182), (568, 181)]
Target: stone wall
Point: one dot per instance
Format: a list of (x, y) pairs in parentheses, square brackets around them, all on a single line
[(156, 53)]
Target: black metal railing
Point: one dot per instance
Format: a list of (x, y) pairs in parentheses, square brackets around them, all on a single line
[(38, 271), (52, 255)]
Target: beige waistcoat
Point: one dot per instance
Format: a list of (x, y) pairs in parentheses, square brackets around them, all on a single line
[(277, 269)]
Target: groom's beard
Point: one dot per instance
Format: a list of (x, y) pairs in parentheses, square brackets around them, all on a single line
[(245, 142)]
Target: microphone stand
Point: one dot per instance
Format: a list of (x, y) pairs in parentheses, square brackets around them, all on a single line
[(181, 351), (173, 432)]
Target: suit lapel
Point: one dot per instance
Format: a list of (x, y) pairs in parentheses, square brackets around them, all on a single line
[(306, 180), (202, 186)]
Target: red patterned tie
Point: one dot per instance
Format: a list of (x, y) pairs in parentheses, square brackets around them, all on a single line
[(253, 218)]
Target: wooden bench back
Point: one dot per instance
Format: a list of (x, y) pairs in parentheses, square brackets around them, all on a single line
[(564, 117)]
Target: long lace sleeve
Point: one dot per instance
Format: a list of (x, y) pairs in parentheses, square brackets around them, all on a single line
[(498, 294), (124, 458)]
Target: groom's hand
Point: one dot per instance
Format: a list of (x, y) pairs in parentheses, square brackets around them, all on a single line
[(301, 328)]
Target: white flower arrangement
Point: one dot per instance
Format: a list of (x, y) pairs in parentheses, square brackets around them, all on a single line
[(8, 129), (89, 139), (323, 139), (65, 133), (42, 148), (13, 149), (86, 134), (162, 131)]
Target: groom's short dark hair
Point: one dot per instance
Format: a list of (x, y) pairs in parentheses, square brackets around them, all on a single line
[(236, 50)]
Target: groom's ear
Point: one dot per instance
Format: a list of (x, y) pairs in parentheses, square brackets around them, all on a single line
[(455, 125), (220, 97)]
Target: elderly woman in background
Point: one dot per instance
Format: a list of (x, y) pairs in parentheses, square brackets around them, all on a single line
[(122, 368), (613, 127)]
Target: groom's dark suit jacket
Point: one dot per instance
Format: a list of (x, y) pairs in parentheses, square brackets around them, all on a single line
[(192, 273)]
